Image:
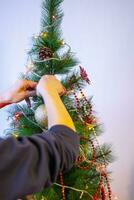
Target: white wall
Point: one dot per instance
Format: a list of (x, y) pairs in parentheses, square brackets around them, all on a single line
[(101, 32)]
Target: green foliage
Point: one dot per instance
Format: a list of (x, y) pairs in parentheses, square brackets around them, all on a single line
[(51, 8), (26, 124), (107, 152), (65, 64), (50, 37), (62, 63), (73, 79), (47, 194)]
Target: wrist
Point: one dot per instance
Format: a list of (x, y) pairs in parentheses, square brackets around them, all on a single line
[(49, 92)]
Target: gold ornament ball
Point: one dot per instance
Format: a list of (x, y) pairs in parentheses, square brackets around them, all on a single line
[(41, 116)]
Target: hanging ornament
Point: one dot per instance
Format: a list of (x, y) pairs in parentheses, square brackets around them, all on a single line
[(84, 75), (45, 53), (41, 116)]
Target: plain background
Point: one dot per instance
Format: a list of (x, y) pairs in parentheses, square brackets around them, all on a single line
[(101, 32)]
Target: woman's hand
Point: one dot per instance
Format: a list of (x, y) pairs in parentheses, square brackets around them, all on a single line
[(49, 84), (50, 89), (21, 90)]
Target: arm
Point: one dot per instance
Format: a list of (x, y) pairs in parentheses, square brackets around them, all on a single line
[(50, 88), (28, 164)]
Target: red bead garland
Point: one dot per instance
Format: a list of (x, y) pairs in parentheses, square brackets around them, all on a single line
[(95, 196), (77, 102), (108, 186), (85, 99), (63, 187), (103, 194), (88, 118), (101, 189)]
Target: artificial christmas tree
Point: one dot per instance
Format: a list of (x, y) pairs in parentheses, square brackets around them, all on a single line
[(50, 54)]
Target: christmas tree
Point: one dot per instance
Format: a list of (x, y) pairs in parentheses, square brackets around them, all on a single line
[(50, 54)]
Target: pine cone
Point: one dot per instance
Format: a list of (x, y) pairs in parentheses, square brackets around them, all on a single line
[(45, 53)]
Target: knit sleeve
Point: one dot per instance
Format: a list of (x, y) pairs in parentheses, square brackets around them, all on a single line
[(29, 164)]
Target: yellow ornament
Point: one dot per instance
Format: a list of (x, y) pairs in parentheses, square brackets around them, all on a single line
[(41, 116)]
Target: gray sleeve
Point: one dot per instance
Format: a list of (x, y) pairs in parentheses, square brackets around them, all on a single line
[(29, 164)]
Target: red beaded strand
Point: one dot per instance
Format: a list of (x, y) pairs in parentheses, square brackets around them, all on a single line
[(95, 197), (63, 187), (88, 114), (78, 111), (77, 102), (99, 187), (108, 186), (85, 99), (103, 194)]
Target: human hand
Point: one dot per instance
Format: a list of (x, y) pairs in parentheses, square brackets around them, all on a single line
[(49, 83), (21, 90)]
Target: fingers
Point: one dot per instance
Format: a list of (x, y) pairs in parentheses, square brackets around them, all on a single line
[(29, 84), (63, 91)]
